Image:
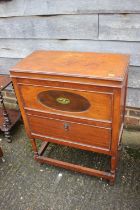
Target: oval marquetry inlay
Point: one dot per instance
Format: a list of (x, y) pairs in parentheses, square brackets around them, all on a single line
[(63, 100)]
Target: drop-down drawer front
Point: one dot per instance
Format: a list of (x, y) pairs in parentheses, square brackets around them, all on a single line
[(94, 105), (67, 131)]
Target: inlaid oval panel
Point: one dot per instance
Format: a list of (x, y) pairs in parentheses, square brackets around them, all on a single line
[(63, 100)]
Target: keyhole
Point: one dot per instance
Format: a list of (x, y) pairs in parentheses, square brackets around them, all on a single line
[(66, 126)]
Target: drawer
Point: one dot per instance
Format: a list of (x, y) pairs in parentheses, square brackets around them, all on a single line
[(68, 102), (70, 131)]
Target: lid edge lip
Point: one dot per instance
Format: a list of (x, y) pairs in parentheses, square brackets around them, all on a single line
[(119, 79)]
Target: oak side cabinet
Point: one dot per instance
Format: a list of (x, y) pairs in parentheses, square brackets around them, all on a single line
[(75, 99)]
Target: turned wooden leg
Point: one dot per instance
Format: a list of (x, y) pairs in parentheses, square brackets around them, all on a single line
[(6, 122), (113, 164), (113, 169), (1, 153), (34, 146), (7, 135)]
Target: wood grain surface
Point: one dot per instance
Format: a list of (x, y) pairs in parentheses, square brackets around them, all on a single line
[(78, 133), (100, 102), (49, 7), (52, 27), (119, 27)]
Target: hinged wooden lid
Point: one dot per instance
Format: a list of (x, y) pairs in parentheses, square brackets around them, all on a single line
[(76, 64)]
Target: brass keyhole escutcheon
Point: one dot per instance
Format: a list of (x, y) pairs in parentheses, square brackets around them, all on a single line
[(63, 100), (66, 126)]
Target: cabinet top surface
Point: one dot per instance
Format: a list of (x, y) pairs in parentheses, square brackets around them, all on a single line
[(76, 64)]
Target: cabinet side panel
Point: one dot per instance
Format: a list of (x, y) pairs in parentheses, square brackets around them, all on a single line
[(116, 121), (20, 103)]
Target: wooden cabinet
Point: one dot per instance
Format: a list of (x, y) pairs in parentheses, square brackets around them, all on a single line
[(75, 99)]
